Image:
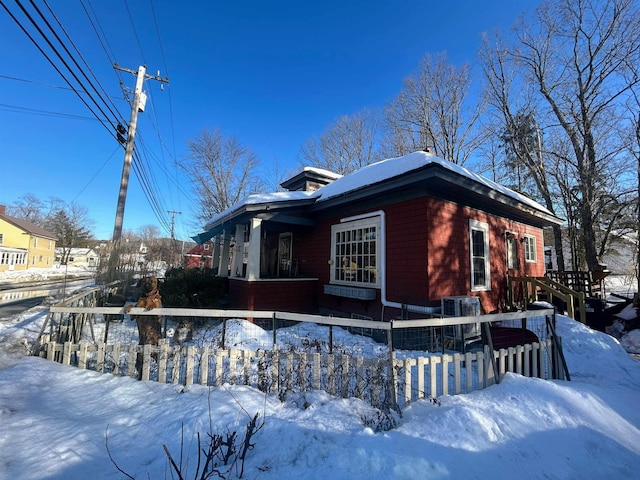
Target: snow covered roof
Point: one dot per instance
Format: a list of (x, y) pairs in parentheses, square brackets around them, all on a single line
[(393, 167), (322, 171), (376, 173), (259, 199)]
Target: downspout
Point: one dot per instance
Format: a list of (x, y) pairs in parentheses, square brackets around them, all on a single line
[(383, 266)]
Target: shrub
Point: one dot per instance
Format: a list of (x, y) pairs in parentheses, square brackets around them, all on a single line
[(193, 288)]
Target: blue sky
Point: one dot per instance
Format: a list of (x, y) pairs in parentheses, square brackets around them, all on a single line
[(271, 73)]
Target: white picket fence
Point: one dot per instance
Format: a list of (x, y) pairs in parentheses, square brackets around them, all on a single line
[(389, 380)]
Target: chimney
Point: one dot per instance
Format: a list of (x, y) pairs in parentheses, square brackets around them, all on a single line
[(3, 209)]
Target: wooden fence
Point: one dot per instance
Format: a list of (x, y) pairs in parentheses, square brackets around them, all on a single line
[(386, 380)]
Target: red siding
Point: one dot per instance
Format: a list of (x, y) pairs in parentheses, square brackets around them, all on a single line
[(284, 295), (427, 249)]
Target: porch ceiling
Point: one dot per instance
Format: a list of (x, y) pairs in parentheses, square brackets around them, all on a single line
[(271, 216)]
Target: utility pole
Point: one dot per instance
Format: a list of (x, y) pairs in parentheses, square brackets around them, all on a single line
[(138, 104), (173, 238), (173, 221)]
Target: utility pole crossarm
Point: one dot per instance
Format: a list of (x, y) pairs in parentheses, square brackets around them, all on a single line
[(146, 75)]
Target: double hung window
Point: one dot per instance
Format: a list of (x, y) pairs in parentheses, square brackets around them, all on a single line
[(530, 248), (479, 249)]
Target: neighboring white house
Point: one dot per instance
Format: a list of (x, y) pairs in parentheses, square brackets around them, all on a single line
[(79, 257)]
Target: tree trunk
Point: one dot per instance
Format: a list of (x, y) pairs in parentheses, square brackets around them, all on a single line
[(557, 240)]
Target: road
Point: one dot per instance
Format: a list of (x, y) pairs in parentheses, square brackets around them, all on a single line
[(16, 300)]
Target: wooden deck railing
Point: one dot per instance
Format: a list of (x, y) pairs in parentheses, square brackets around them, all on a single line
[(522, 291)]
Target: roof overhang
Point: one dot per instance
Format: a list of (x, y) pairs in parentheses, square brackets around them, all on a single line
[(279, 212), (437, 181)]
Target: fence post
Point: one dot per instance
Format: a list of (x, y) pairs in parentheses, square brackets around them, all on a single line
[(131, 359), (204, 366), (191, 351), (330, 338), (146, 362), (66, 354), (487, 332), (100, 356), (224, 332), (274, 328), (163, 357)]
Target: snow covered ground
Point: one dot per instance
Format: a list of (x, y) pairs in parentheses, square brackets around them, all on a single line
[(56, 422), (45, 274)]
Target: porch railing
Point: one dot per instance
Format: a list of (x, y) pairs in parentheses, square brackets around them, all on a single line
[(522, 291)]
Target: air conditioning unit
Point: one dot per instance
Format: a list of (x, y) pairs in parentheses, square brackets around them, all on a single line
[(461, 306)]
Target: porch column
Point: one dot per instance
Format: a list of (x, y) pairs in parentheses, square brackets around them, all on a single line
[(238, 252), (253, 260), (223, 265), (215, 254)]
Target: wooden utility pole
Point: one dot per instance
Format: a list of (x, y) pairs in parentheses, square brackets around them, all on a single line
[(173, 222), (138, 104), (173, 237)]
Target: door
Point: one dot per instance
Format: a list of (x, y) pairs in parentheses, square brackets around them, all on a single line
[(284, 255)]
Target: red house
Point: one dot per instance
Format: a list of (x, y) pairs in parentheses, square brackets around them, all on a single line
[(199, 256), (405, 231)]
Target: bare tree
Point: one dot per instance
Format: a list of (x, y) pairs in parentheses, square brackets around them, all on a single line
[(221, 170), (435, 111), (347, 145), (158, 249), (72, 227), (30, 208), (582, 56), (634, 148), (567, 74), (514, 111)]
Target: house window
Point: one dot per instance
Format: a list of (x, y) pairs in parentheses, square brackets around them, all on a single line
[(206, 246), (512, 253), (35, 242), (530, 248), (1, 238), (479, 249), (354, 252)]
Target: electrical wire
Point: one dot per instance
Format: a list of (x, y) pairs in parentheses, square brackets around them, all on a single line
[(88, 67), (111, 129), (44, 113), (97, 98)]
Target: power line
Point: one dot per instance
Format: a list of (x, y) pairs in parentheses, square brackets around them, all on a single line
[(102, 108), (104, 92), (111, 129), (45, 113)]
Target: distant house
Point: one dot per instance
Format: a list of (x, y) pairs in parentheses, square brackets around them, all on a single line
[(398, 234), (24, 245), (199, 256), (79, 257)]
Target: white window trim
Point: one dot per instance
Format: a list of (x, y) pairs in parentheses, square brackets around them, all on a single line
[(363, 223), (512, 253), (532, 248), (483, 227)]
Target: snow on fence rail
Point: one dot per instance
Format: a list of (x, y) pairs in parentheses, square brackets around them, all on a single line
[(388, 379)]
